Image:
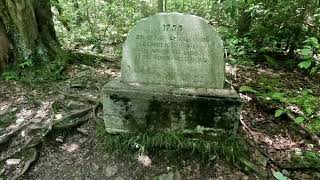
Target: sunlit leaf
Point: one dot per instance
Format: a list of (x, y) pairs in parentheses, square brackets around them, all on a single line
[(299, 120), (314, 41), (306, 51), (279, 176), (305, 64), (277, 95), (279, 112), (309, 111)]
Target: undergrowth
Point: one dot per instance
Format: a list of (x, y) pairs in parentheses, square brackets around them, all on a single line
[(230, 148), (308, 159)]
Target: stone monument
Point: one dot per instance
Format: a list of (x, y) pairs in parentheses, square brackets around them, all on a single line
[(172, 80)]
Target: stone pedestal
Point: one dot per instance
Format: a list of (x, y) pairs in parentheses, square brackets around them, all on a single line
[(133, 107)]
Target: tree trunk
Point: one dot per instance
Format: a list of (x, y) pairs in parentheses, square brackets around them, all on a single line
[(244, 21), (165, 5), (160, 6), (27, 31)]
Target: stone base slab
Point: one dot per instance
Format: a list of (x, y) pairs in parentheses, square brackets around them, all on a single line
[(157, 108)]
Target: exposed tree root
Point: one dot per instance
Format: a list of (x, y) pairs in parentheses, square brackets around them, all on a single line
[(6, 137), (27, 164), (26, 145), (82, 98), (36, 133), (311, 134), (72, 120)]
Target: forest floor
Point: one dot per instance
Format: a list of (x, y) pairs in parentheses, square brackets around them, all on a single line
[(29, 151)]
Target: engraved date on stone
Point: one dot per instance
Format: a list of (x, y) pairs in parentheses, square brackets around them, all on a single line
[(172, 27)]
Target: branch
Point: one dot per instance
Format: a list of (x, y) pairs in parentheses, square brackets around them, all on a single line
[(311, 134)]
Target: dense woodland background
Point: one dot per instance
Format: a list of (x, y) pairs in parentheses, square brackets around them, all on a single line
[(271, 48)]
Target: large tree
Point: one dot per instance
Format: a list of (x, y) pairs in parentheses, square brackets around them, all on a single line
[(162, 5), (26, 31)]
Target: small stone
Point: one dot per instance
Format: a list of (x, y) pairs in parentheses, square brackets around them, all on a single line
[(13, 161), (298, 151), (111, 171), (144, 160), (23, 133), (95, 167), (20, 120), (119, 178), (58, 116), (285, 172), (59, 139)]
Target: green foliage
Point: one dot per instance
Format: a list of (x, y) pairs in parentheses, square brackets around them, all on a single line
[(310, 50), (308, 159), (26, 63), (251, 29), (304, 104), (10, 75), (279, 112), (94, 24), (299, 120)]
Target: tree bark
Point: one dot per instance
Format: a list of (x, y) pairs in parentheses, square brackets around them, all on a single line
[(244, 21), (160, 6), (29, 28)]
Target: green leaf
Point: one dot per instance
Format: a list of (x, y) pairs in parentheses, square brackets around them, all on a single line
[(314, 70), (279, 176), (299, 120), (279, 112), (278, 96), (305, 64), (309, 111), (306, 51), (248, 89), (314, 41), (305, 92)]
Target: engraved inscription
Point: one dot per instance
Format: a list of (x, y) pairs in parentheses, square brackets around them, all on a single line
[(174, 49), (172, 27)]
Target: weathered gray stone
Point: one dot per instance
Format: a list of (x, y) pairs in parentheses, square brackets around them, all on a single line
[(174, 49), (141, 108), (13, 161)]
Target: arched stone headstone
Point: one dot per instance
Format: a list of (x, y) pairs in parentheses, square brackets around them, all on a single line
[(174, 49), (172, 79)]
